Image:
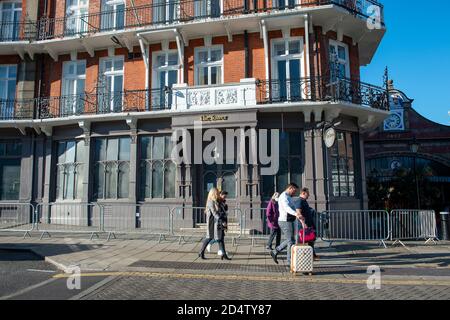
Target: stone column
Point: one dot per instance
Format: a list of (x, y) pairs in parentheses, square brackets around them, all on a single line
[(26, 170), (362, 171), (47, 170), (85, 126), (188, 184), (132, 123), (314, 177)]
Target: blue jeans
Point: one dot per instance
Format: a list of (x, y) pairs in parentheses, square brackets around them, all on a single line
[(287, 228)]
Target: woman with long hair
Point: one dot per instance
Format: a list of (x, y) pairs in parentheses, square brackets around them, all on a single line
[(215, 222)]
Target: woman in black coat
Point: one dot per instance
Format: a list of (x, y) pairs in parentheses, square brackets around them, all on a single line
[(216, 218)]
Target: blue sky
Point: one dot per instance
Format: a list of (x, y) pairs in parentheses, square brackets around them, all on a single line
[(416, 48)]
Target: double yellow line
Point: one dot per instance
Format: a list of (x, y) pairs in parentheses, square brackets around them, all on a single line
[(304, 279)]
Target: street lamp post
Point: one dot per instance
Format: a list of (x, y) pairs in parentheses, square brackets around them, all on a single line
[(414, 149), (324, 126)]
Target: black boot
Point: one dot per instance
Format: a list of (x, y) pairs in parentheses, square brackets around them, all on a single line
[(224, 256)]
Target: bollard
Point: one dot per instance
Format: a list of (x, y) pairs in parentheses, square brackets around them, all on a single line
[(444, 226)]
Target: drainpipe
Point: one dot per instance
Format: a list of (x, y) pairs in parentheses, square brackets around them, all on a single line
[(247, 58), (266, 47), (308, 65), (144, 49), (180, 47)]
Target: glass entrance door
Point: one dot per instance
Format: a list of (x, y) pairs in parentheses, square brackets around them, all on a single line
[(207, 9), (111, 85), (8, 75), (165, 11), (10, 14), (76, 17), (74, 77), (113, 14), (287, 79), (165, 75)]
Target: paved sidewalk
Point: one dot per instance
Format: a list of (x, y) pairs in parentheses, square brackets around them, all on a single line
[(341, 261)]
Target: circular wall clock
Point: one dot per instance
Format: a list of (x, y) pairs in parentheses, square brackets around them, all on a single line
[(394, 121)]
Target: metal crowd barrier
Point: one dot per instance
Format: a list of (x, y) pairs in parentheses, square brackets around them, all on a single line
[(17, 217), (134, 218), (255, 225), (190, 222), (413, 225), (68, 218), (356, 225)]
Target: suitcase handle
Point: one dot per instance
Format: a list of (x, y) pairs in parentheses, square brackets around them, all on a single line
[(296, 231)]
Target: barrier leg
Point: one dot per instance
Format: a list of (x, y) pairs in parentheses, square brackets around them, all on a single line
[(398, 242), (431, 240), (111, 234), (42, 235), (383, 243), (92, 235), (27, 233)]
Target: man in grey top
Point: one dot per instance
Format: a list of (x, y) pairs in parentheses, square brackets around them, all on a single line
[(288, 216)]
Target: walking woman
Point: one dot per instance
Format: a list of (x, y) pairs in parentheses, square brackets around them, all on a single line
[(216, 223), (273, 214)]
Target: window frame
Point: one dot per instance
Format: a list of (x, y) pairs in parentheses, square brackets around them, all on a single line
[(77, 175), (143, 164), (208, 64), (291, 158), (276, 85), (18, 158), (336, 45), (104, 74), (166, 68), (350, 183), (95, 163), (78, 10), (113, 5), (8, 78)]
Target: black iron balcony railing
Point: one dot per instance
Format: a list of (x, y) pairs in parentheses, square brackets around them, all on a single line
[(316, 89), (319, 89), (13, 109), (103, 103), (17, 31), (175, 11)]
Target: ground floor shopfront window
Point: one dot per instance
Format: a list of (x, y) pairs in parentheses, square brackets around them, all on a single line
[(112, 168), (69, 170), (10, 160), (290, 164), (343, 165), (158, 173)]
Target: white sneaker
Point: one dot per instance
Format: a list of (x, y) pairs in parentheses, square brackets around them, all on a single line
[(220, 253), (208, 248)]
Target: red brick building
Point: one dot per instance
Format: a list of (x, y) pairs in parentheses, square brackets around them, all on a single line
[(408, 157), (90, 87)]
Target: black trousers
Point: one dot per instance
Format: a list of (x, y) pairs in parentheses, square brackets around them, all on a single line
[(208, 240), (274, 233)]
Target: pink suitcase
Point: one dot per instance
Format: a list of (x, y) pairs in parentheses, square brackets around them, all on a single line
[(302, 259)]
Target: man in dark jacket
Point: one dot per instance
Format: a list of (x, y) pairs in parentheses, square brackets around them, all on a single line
[(306, 214)]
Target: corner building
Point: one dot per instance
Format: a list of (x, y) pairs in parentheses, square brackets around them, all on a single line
[(91, 91)]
